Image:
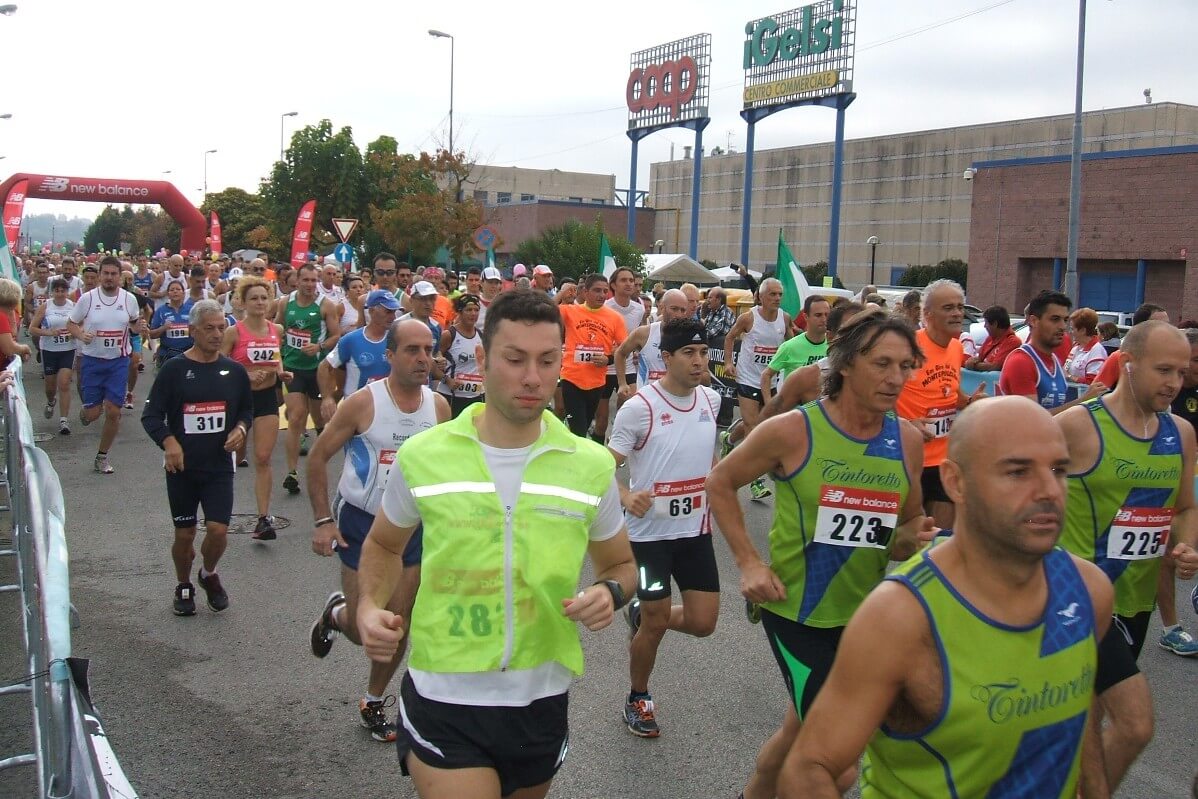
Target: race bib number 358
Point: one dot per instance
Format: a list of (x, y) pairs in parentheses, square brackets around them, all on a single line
[(1139, 533), (856, 517)]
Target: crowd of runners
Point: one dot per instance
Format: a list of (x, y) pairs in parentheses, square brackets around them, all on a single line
[(1006, 553)]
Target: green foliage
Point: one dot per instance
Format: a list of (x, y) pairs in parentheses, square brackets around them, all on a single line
[(572, 250), (106, 229), (710, 264), (815, 275), (919, 275), (240, 212), (146, 228)]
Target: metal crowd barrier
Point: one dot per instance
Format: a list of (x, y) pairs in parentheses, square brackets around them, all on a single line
[(71, 752)]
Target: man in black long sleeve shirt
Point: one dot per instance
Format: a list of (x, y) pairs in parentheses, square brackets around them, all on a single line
[(198, 411)]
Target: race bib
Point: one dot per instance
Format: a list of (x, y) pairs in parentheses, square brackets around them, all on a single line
[(940, 420), (856, 517), (584, 354), (298, 339), (1139, 533), (470, 384), (763, 355), (64, 338), (200, 418), (679, 499), (38, 302), (262, 354), (656, 374), (110, 339), (386, 461), (176, 331)]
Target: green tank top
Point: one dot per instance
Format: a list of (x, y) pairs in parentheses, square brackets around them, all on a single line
[(834, 519), (1015, 699), (1119, 513), (302, 324), (797, 352)]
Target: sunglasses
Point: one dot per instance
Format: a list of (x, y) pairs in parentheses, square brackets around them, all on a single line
[(385, 272)]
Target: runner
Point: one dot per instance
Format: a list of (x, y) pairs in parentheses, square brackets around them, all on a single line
[(197, 285), (964, 626), (311, 328), (173, 274), (462, 385), (442, 310), (492, 285), (542, 280), (667, 435), (198, 412), (646, 340), (593, 331), (254, 343), (623, 301), (762, 330), (371, 425), (1113, 368), (1173, 637), (801, 350), (37, 293), (329, 287), (352, 315), (474, 282), (484, 701), (170, 323), (71, 273), (807, 383), (1033, 370), (360, 356), (101, 321), (933, 397), (145, 311), (1131, 504), (49, 327), (847, 472)]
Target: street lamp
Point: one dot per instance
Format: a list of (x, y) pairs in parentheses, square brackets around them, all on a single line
[(443, 35), (206, 154), (1075, 162), (5, 116), (282, 117), (8, 9), (873, 242)]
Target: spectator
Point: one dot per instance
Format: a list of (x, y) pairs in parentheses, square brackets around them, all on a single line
[(1000, 343), (10, 322), (1088, 355), (715, 315), (1109, 331), (909, 308)]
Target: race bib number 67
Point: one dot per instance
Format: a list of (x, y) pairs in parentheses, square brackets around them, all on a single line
[(856, 517)]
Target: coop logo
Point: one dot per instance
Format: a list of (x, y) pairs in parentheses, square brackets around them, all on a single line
[(55, 185), (670, 85)]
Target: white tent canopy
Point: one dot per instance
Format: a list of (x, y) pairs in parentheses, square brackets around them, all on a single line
[(678, 268), (728, 273)]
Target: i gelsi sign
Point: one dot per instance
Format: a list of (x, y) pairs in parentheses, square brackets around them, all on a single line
[(799, 54)]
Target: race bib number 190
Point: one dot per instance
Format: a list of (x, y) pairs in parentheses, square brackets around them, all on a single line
[(856, 517), (1139, 533)]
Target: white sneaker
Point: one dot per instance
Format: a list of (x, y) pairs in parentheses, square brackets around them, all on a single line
[(49, 411)]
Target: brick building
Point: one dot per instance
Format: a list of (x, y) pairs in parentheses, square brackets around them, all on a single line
[(1139, 225)]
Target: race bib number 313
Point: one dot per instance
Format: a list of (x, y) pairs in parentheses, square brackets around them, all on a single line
[(1139, 533), (856, 517)]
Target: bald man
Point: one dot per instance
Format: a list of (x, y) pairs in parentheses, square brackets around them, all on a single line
[(174, 274), (1131, 506), (989, 639), (646, 340)]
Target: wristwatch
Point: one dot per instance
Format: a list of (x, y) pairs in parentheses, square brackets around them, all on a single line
[(617, 592)]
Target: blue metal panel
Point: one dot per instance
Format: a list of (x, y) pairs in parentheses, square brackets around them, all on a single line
[(632, 192), (747, 201), (896, 273), (1141, 280), (1060, 159), (1108, 291), (1058, 265)]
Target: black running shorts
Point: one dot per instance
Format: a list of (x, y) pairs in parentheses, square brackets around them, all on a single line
[(266, 401), (1119, 650), (188, 491), (303, 381), (524, 745), (749, 392), (690, 561), (804, 655), (933, 489)]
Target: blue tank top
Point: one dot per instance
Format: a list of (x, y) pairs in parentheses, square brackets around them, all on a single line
[(1052, 389), (143, 284)]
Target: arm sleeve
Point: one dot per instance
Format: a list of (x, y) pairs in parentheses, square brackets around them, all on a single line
[(1018, 376), (610, 518), (631, 426), (398, 505), (154, 414)]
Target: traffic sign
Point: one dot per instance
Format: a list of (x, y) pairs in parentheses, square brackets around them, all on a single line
[(344, 228), (485, 237), (344, 253)]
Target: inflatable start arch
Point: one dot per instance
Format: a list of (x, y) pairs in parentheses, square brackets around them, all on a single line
[(106, 190)]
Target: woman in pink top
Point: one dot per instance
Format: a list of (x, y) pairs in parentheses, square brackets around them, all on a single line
[(254, 343)]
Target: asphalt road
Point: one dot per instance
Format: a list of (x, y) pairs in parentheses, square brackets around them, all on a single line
[(234, 705)]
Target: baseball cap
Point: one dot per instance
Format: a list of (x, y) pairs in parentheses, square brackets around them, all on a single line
[(542, 269), (384, 298), (235, 273), (491, 273), (519, 270), (422, 288)]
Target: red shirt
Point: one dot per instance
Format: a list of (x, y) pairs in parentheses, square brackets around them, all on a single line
[(9, 323), (1062, 352), (1019, 375), (996, 350), (1109, 375)]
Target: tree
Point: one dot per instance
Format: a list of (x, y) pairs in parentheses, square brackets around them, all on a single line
[(240, 212), (572, 249), (920, 275), (816, 272), (107, 229)]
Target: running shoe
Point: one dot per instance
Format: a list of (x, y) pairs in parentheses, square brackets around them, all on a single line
[(639, 717), (102, 465), (753, 611), (1194, 598), (128, 400), (759, 490), (323, 631), (291, 482), (265, 529), (141, 366), (375, 719), (725, 447), (632, 617), (304, 443), (83, 420), (64, 427), (1179, 642), (218, 599), (243, 463), (48, 411), (185, 599)]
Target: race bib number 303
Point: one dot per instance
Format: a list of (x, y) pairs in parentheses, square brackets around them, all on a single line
[(856, 517), (1139, 533), (680, 499)]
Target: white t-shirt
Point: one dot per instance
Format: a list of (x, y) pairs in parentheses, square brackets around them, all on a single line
[(633, 315), (515, 687), (1084, 365), (109, 318)]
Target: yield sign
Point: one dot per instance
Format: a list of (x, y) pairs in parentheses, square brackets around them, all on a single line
[(344, 227)]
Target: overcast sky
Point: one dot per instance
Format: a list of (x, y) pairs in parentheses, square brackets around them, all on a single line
[(131, 88)]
